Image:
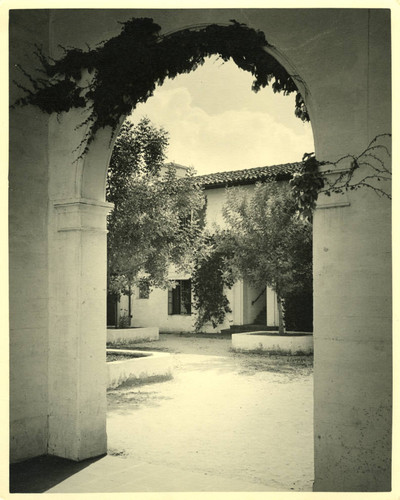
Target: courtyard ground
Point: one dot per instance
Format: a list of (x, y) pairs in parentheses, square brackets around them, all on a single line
[(225, 422), (240, 417)]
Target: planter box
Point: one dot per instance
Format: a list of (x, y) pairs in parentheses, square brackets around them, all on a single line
[(131, 335), (150, 364), (289, 343)]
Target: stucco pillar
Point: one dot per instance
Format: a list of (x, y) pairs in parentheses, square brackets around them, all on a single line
[(237, 306), (352, 343), (272, 308), (77, 368)]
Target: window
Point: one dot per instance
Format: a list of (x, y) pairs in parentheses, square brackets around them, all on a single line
[(144, 290), (180, 298)]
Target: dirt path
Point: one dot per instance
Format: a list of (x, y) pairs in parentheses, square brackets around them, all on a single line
[(237, 416)]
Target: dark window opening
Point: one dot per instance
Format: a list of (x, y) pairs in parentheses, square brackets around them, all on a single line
[(180, 298)]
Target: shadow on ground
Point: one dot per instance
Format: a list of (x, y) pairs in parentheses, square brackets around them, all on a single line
[(38, 475)]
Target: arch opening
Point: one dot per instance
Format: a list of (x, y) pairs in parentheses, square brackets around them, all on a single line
[(246, 291)]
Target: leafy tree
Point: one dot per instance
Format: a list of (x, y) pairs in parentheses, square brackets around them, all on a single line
[(209, 279), (138, 151), (266, 241), (157, 219)]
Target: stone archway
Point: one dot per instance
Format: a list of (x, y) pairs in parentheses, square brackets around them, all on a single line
[(63, 413), (78, 239)]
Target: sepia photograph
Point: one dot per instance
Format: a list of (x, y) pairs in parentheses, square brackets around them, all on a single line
[(200, 250)]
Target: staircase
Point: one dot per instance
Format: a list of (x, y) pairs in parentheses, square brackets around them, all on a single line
[(261, 319)]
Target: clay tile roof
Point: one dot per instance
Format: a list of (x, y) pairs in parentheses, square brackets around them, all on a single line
[(249, 175)]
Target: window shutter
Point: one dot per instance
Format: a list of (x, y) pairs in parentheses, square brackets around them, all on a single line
[(170, 307)]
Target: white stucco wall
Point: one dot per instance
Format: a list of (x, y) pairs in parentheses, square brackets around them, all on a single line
[(216, 199), (28, 254), (154, 312)]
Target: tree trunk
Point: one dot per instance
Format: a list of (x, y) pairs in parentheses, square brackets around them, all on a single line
[(280, 316), (130, 305)]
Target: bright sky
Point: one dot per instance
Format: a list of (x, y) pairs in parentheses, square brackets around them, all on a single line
[(216, 122)]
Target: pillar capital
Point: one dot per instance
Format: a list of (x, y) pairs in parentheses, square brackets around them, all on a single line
[(82, 214), (334, 200)]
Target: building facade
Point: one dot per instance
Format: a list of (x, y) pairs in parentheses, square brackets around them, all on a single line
[(170, 309)]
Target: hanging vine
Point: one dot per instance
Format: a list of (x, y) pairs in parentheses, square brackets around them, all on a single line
[(370, 166), (126, 69)]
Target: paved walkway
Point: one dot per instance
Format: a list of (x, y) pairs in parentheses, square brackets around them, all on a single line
[(225, 422), (112, 474)]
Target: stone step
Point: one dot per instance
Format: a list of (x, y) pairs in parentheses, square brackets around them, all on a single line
[(249, 328)]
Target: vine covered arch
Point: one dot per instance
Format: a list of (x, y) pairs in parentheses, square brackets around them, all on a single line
[(87, 95), (57, 206), (109, 81)]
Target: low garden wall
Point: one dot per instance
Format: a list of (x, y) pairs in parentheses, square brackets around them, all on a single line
[(289, 343), (149, 364), (132, 335)]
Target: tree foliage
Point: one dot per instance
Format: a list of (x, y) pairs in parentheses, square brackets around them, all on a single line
[(157, 219), (209, 279), (139, 151), (266, 242)]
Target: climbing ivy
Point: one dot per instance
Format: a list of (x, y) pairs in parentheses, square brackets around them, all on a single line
[(306, 186), (126, 69), (370, 164)]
